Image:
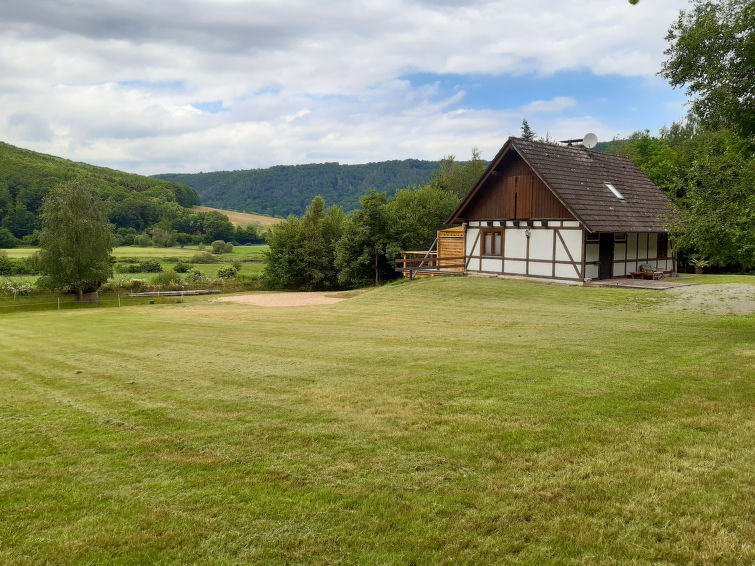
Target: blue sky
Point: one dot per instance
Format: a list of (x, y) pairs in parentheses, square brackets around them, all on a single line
[(201, 85)]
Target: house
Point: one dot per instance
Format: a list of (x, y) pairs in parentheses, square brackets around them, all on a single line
[(563, 213)]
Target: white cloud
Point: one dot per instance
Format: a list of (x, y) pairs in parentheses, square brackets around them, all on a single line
[(113, 83)]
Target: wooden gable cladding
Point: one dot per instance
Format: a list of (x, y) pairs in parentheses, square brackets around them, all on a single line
[(514, 192)]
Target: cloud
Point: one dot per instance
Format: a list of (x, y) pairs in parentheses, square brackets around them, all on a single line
[(161, 86)]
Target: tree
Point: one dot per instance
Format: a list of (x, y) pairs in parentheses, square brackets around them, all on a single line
[(365, 250), (302, 250), (415, 215), (76, 239), (527, 132), (456, 178), (712, 52)]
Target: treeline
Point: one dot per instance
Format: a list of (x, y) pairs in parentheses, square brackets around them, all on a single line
[(706, 164), (288, 189), (329, 249), (710, 177), (144, 210)]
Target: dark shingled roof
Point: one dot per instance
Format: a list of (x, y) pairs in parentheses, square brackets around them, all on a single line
[(577, 176)]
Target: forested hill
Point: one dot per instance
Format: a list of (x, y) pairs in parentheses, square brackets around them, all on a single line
[(288, 189), (26, 177)]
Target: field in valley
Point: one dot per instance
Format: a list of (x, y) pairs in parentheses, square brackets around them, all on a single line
[(443, 421), (242, 218)]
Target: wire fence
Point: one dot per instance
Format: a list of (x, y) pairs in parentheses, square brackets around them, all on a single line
[(22, 303)]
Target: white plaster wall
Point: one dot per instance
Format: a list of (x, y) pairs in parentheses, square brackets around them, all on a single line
[(642, 242), (653, 245), (631, 266), (517, 267), (515, 243), (632, 246), (591, 271), (564, 271), (573, 240), (617, 270), (472, 247), (572, 223), (592, 252), (541, 244), (489, 264), (542, 268)]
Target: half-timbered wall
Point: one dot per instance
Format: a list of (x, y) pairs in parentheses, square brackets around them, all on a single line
[(629, 251), (548, 249)]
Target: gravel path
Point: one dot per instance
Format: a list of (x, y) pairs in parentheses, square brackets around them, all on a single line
[(284, 299), (731, 298)]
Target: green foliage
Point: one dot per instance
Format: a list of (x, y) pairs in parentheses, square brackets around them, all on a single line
[(709, 176), (203, 257), (76, 238), (367, 247), (167, 280), (284, 190), (712, 53), (302, 250), (7, 239), (181, 267), (457, 178), (416, 214), (227, 272)]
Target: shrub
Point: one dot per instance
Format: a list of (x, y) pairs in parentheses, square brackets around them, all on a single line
[(143, 241), (9, 287), (169, 279), (6, 265), (236, 265), (228, 248), (218, 247), (195, 276), (203, 257), (227, 272), (150, 266), (181, 267)]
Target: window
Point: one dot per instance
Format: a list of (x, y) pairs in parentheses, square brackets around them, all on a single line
[(592, 237), (620, 237), (615, 191), (492, 242)]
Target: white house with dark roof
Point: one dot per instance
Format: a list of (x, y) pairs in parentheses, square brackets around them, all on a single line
[(563, 213)]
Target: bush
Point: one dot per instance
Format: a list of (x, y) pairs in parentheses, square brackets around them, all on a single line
[(218, 247), (7, 239), (227, 272), (143, 241), (181, 267), (149, 266), (9, 287), (166, 279), (195, 276), (228, 248), (203, 257)]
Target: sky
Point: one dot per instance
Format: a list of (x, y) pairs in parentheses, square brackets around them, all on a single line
[(165, 86)]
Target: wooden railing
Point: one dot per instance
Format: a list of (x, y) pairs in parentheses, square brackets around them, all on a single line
[(427, 263)]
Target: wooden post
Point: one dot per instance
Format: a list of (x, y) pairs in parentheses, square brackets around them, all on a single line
[(58, 302)]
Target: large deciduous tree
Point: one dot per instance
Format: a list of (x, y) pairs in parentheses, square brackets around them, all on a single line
[(712, 53), (302, 250), (76, 239)]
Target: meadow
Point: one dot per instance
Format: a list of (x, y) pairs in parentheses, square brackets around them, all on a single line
[(443, 421)]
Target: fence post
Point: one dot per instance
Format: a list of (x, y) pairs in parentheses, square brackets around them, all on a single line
[(58, 302), (119, 300)]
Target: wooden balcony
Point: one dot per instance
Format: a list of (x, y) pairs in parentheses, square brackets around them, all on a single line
[(427, 264)]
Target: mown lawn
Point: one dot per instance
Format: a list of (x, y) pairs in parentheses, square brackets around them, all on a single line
[(446, 421)]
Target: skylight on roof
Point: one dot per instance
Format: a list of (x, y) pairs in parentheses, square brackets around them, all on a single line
[(615, 191)]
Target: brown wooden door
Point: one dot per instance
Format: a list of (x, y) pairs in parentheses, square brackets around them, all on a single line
[(605, 257)]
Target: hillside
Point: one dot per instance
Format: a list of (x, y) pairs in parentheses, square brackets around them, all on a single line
[(26, 177), (241, 218), (287, 189)]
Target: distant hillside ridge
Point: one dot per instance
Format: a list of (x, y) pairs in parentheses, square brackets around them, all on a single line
[(27, 176), (288, 189)]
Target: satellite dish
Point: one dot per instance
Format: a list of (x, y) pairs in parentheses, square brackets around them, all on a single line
[(590, 140)]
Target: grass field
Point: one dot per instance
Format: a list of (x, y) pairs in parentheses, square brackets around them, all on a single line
[(241, 218), (442, 421)]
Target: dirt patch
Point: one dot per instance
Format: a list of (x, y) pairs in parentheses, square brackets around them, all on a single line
[(732, 298), (284, 299)]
